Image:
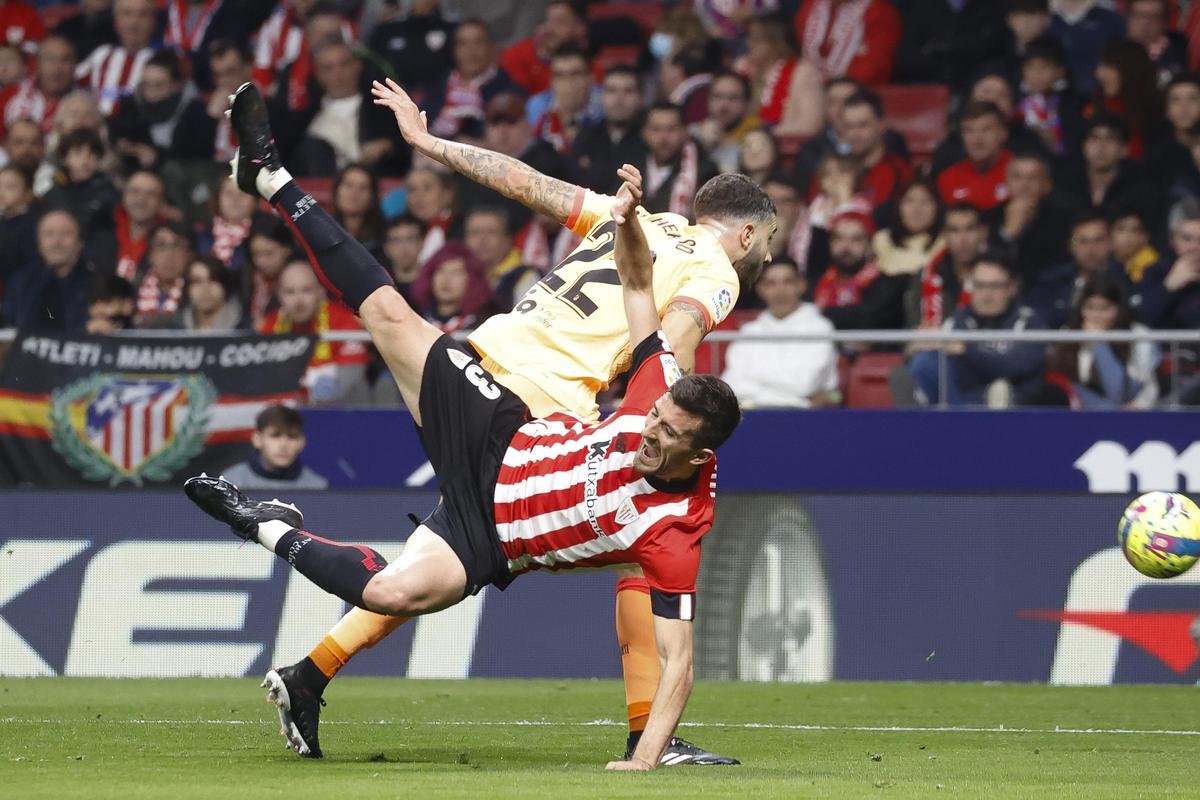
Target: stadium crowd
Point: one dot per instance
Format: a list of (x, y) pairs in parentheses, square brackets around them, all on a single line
[(1065, 192)]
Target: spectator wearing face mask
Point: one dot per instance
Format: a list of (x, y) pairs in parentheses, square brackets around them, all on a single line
[(163, 120)]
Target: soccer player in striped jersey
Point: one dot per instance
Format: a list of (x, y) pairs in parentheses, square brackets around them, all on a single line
[(559, 492), (568, 337)]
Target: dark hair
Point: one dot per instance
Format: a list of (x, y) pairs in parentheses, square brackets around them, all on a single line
[(81, 138), (25, 177), (1107, 285), (735, 197), (56, 36), (844, 80), (1129, 208), (667, 105), (475, 22), (284, 418), (699, 58), (110, 287), (405, 220), (786, 263), (576, 7), (897, 231), (1046, 48), (270, 227), (372, 228), (1087, 217), (1029, 7), (995, 257), (1183, 79), (493, 210), (176, 228), (1104, 119), (168, 59), (978, 109), (712, 401), (1141, 104), (865, 97), (571, 51), (1034, 154), (965, 208), (782, 178), (621, 69), (217, 271), (742, 81), (223, 46)]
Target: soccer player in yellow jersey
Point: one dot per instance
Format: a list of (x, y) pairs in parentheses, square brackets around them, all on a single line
[(565, 340)]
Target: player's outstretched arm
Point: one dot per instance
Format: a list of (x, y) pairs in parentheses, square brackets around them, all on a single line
[(635, 263), (674, 688), (508, 176)]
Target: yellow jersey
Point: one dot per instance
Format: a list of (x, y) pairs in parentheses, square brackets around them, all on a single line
[(568, 337)]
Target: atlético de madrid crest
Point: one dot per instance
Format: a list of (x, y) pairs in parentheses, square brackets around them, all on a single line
[(123, 428)]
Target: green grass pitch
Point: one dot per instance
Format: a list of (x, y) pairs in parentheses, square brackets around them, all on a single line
[(531, 739)]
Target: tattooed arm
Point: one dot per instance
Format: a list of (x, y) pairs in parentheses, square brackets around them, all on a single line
[(685, 325), (508, 176)]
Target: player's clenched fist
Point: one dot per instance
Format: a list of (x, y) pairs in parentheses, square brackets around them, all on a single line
[(409, 118)]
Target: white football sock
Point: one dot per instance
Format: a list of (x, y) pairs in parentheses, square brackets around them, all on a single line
[(271, 531)]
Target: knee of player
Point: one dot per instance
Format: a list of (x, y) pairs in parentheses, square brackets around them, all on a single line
[(386, 307), (395, 596)]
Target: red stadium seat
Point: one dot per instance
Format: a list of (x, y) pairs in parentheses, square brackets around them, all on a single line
[(320, 188), (612, 55), (918, 113), (867, 386)]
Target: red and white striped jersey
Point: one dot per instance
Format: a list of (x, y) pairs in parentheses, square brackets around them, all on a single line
[(568, 495), (280, 41), (111, 72), (24, 100)]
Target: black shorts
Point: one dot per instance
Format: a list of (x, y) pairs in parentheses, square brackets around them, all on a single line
[(467, 423)]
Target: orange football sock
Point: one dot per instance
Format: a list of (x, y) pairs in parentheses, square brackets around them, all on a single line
[(639, 651), (355, 632)]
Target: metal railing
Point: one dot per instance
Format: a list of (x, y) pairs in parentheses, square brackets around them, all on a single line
[(1173, 340)]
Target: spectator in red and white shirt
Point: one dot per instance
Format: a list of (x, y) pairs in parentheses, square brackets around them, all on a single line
[(37, 96), (979, 178), (21, 25), (787, 87), (863, 128), (112, 71), (336, 368), (280, 40), (192, 25), (528, 61), (852, 38), (139, 212), (854, 293)]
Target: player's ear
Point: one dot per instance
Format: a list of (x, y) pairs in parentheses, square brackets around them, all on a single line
[(256, 440), (746, 235), (702, 457)]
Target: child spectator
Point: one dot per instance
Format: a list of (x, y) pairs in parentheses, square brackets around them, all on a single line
[(1048, 106), (1105, 375), (82, 188), (337, 369), (110, 305), (783, 374), (453, 289), (212, 304), (1131, 243), (278, 440)]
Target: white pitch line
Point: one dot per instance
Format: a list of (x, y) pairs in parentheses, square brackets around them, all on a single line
[(608, 723)]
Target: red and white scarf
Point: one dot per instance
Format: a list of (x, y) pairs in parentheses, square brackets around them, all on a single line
[(178, 34), (683, 190), (831, 41), (688, 85), (30, 103), (278, 44), (227, 236), (155, 298), (836, 290), (111, 72), (130, 251), (550, 127), (464, 100), (775, 91)]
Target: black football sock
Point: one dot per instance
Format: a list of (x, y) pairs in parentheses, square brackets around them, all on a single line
[(632, 742), (344, 266), (340, 569)]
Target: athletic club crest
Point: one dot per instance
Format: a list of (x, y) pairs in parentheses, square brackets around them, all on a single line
[(131, 428)]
